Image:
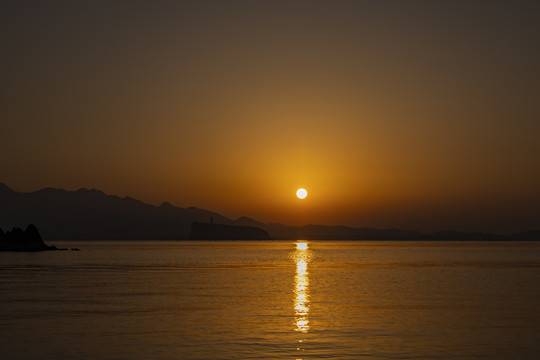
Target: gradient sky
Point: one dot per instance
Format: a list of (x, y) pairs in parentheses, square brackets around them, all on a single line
[(410, 114)]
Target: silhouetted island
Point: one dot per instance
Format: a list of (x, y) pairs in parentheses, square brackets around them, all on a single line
[(211, 231), (27, 240)]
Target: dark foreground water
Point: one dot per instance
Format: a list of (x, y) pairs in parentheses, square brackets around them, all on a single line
[(272, 300)]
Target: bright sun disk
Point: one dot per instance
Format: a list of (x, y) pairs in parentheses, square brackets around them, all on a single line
[(301, 193)]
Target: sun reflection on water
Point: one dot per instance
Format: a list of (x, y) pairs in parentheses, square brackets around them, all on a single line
[(301, 287)]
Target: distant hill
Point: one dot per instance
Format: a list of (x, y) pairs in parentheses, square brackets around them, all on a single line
[(208, 231), (322, 232), (93, 215)]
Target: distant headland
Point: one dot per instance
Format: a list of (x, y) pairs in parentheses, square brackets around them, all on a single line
[(211, 231), (27, 240)]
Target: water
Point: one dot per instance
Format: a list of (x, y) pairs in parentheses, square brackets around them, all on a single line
[(272, 300)]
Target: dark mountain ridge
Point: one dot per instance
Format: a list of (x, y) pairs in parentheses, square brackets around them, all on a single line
[(90, 214), (93, 215)]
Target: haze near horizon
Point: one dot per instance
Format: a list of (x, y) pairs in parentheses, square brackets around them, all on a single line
[(420, 115)]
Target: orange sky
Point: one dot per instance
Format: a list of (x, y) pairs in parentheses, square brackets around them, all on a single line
[(421, 115)]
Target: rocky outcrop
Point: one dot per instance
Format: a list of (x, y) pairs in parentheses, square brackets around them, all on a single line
[(19, 240), (209, 231)]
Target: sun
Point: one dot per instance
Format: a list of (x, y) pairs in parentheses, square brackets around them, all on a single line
[(301, 193)]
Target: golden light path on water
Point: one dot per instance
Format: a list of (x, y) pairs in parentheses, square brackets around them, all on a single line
[(301, 287)]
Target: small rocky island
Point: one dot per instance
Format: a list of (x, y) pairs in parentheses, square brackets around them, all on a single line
[(19, 240), (210, 231)]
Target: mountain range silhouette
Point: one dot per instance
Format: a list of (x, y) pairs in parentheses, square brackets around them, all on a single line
[(93, 215)]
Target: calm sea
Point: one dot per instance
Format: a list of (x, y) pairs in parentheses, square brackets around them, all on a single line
[(272, 300)]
